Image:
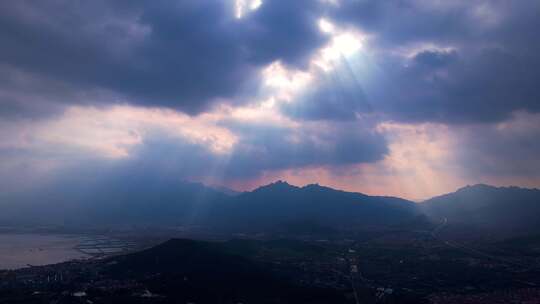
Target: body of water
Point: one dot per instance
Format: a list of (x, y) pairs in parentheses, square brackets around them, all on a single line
[(20, 250)]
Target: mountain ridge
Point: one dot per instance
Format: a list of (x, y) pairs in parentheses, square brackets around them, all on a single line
[(281, 204), (276, 207), (501, 211)]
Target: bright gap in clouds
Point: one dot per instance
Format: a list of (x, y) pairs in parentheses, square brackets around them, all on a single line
[(241, 7), (112, 132), (285, 83), (343, 45), (325, 26)]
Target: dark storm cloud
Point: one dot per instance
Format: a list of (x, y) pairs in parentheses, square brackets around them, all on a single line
[(396, 22), (27, 95), (179, 54), (462, 23), (455, 87), (510, 149), (283, 29), (467, 62), (186, 54)]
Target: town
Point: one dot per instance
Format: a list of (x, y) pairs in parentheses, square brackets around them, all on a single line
[(378, 267)]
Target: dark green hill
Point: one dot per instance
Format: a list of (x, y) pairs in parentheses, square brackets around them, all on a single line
[(203, 272)]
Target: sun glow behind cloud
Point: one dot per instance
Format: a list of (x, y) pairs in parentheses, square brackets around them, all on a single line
[(242, 7), (283, 84), (325, 26), (286, 83)]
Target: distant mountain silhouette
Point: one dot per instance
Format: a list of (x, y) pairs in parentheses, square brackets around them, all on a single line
[(275, 208), (497, 211), (154, 201), (282, 206)]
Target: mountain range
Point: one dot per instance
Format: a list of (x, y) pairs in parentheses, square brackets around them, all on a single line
[(283, 208)]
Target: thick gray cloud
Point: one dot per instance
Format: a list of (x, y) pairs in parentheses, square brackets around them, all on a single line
[(509, 150), (186, 54), (453, 62), (462, 23), (179, 54), (27, 95), (474, 62), (454, 87)]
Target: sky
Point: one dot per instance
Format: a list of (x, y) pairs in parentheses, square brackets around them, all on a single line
[(411, 98)]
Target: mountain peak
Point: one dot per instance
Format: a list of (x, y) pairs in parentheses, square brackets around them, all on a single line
[(280, 182), (481, 188), (277, 185), (316, 186), (476, 187)]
